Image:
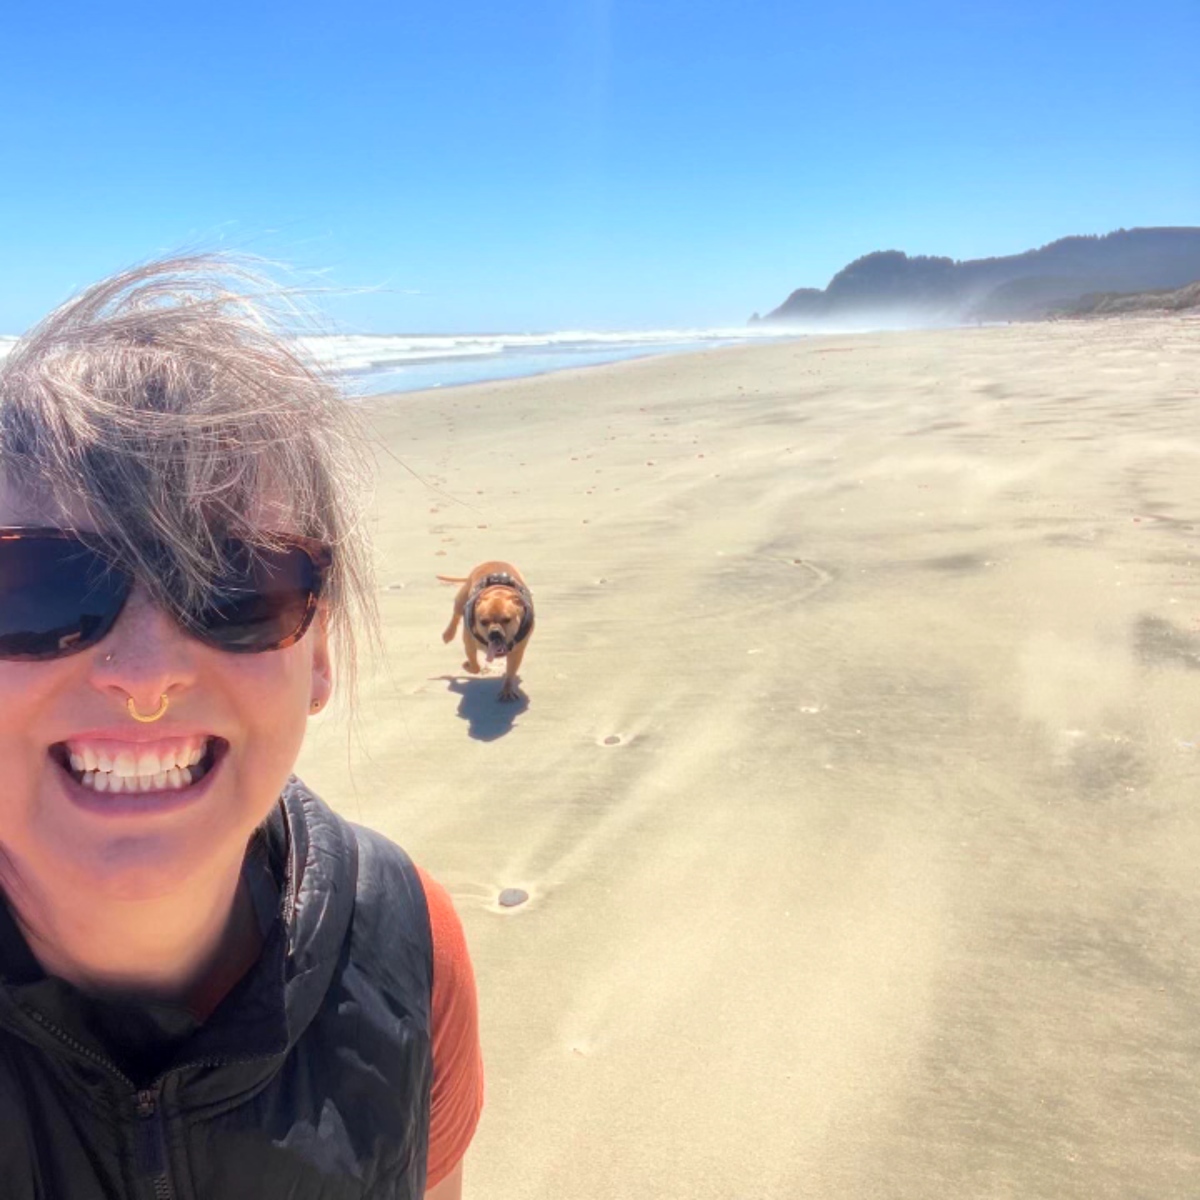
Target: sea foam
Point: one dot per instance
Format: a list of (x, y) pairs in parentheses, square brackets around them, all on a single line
[(369, 364), (382, 363)]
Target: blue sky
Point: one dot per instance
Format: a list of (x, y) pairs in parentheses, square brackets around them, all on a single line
[(580, 163)]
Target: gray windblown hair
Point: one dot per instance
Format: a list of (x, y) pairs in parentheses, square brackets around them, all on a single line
[(166, 409)]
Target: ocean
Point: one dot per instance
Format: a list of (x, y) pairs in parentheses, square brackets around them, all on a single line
[(370, 364)]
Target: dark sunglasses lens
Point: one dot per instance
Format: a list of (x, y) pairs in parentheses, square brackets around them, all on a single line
[(263, 602), (56, 597)]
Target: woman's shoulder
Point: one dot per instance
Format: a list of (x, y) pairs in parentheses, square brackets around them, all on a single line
[(404, 920), (389, 878), (402, 886), (406, 936), (391, 946), (451, 959), (385, 871), (384, 878)]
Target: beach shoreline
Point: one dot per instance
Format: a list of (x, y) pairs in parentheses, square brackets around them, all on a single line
[(375, 365)]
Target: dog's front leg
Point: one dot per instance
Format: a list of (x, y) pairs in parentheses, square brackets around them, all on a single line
[(510, 690), (471, 649)]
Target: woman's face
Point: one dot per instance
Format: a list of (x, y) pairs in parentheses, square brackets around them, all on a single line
[(245, 713)]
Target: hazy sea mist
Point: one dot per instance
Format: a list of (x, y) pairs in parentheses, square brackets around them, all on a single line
[(372, 364)]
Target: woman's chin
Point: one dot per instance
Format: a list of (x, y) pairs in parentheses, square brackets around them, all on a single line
[(141, 870)]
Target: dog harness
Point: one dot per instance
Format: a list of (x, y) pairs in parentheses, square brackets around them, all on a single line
[(505, 580)]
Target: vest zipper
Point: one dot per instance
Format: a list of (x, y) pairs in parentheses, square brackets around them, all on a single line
[(289, 894), (151, 1144), (79, 1048), (150, 1137)]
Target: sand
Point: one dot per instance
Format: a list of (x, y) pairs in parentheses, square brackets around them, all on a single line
[(857, 795)]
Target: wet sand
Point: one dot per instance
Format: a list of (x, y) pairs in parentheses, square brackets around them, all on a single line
[(857, 795)]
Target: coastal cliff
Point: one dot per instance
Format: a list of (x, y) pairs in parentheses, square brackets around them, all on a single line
[(890, 285)]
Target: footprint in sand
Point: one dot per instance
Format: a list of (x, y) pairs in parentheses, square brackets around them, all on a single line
[(819, 578)]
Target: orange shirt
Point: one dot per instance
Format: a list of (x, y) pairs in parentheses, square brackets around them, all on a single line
[(454, 1019)]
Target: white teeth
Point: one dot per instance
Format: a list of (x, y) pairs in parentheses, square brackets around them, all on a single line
[(139, 770), (164, 781), (148, 763)]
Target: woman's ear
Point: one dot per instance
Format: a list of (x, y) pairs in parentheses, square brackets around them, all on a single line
[(322, 660)]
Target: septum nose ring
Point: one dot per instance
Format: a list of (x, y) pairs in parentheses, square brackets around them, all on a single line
[(163, 702)]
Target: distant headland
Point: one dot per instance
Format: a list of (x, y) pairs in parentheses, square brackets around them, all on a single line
[(1072, 276)]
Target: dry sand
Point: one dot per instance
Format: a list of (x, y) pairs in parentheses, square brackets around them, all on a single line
[(889, 885)]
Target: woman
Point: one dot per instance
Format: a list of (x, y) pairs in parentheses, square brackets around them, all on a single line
[(211, 986)]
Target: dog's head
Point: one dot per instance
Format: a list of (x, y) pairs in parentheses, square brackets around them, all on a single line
[(497, 619)]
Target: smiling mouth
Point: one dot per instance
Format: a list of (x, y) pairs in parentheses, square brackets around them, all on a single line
[(125, 772)]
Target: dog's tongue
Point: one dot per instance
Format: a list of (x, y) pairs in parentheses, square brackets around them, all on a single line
[(495, 650)]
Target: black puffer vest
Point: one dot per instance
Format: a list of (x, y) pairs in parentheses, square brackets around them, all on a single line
[(310, 1081)]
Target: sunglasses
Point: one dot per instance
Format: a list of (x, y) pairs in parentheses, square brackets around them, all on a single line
[(60, 594)]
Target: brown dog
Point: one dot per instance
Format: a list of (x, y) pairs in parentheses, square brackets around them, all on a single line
[(496, 610)]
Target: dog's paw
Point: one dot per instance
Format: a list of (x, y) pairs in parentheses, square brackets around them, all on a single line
[(448, 635), (510, 692), (473, 668)]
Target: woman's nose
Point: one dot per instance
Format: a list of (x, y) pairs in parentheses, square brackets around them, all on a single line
[(146, 655)]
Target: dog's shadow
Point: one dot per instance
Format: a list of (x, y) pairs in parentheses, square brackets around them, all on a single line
[(479, 704)]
